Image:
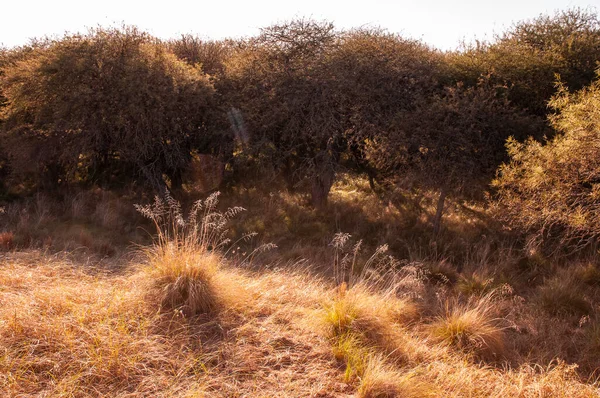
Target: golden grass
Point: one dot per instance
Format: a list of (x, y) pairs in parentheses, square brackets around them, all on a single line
[(376, 320), (70, 328), (69, 332), (183, 278), (185, 320), (472, 328), (380, 381), (66, 332)]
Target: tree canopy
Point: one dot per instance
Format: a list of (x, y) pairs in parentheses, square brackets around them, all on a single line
[(111, 102)]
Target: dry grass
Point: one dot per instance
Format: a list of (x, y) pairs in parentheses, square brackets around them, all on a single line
[(183, 279), (379, 381), (74, 329), (182, 317), (472, 328), (562, 297), (375, 317), (69, 332)]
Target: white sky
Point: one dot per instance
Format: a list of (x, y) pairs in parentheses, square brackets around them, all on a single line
[(442, 23)]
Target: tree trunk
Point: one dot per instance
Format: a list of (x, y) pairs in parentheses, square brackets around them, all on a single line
[(289, 176), (153, 179), (437, 221), (321, 185), (372, 182), (176, 178)]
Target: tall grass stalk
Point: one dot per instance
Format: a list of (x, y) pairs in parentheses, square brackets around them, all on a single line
[(205, 228)]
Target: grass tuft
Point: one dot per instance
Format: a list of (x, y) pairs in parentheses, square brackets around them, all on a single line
[(562, 297), (184, 279), (187, 253), (471, 328)]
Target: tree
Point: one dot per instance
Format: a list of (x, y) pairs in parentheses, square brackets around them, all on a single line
[(313, 98), (454, 142), (208, 55), (551, 190), (376, 75), (279, 82), (528, 56), (113, 103)]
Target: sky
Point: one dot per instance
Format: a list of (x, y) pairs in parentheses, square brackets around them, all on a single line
[(440, 23)]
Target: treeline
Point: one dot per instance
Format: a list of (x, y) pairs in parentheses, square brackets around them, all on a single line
[(303, 101)]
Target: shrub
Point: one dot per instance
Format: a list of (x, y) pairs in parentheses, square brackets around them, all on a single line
[(452, 142), (551, 191), (528, 56), (113, 104)]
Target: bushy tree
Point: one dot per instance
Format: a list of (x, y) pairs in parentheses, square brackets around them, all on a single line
[(313, 98), (113, 102), (209, 55), (551, 190), (453, 142), (529, 56), (377, 75), (279, 82)]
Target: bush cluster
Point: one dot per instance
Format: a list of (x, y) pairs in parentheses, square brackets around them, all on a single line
[(302, 101)]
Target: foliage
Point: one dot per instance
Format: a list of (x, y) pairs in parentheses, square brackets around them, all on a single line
[(313, 99), (377, 75), (452, 143), (110, 102), (551, 190), (210, 56), (278, 82), (455, 141), (528, 57)]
